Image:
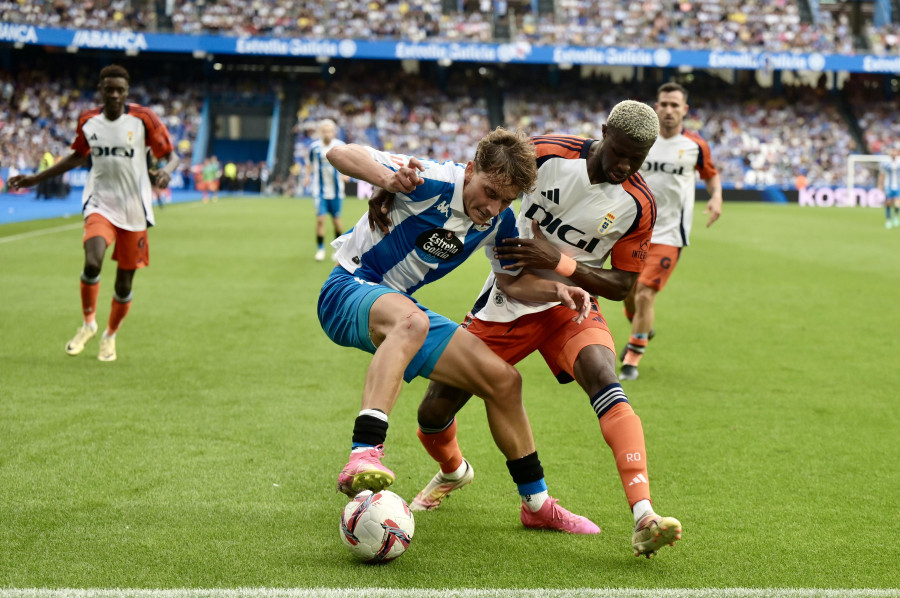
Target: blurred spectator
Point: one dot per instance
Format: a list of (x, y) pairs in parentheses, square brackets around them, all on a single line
[(771, 26)]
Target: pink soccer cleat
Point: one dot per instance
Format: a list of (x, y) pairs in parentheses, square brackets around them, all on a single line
[(552, 516), (365, 472)]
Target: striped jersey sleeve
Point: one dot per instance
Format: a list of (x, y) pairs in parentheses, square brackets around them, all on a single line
[(158, 139), (81, 144), (704, 165), (630, 252), (561, 146)]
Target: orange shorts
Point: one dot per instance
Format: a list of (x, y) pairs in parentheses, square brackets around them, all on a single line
[(132, 249), (661, 260), (552, 332)]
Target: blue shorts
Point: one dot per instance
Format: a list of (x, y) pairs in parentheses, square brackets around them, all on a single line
[(892, 193), (344, 305), (329, 206)]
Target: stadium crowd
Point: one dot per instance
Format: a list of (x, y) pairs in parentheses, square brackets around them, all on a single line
[(40, 109), (706, 24), (759, 137), (762, 139)]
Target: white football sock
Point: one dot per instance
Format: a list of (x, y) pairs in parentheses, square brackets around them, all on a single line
[(455, 475), (536, 501), (641, 508)]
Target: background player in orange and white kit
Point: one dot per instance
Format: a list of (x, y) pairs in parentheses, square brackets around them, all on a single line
[(589, 205), (117, 201), (669, 169)]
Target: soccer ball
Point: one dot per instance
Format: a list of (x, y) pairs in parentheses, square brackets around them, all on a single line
[(377, 527)]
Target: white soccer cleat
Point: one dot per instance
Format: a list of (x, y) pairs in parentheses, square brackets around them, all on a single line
[(652, 532), (84, 334), (438, 488), (107, 348), (320, 255)]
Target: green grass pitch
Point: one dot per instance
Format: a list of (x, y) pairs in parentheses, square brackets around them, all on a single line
[(206, 456)]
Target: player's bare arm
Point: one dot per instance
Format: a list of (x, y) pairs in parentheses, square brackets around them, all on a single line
[(73, 160), (355, 161), (714, 205), (539, 253), (530, 287), (163, 176)]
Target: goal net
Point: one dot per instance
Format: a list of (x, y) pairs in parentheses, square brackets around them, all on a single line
[(862, 178)]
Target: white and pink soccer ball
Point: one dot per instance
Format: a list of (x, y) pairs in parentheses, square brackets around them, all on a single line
[(377, 528)]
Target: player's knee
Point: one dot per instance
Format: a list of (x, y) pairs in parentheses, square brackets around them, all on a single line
[(123, 289), (506, 386), (92, 268), (433, 415), (414, 327), (440, 405)]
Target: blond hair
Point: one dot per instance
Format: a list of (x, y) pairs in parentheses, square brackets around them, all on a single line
[(508, 158), (637, 120)]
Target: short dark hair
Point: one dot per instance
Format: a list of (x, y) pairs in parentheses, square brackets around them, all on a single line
[(670, 87), (114, 70)]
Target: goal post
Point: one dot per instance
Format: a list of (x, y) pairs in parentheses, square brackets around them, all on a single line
[(854, 159)]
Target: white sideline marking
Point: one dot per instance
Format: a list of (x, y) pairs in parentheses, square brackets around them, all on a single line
[(451, 593), (56, 229), (43, 231)]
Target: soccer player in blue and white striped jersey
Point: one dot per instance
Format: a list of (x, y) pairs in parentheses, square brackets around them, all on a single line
[(889, 182), (443, 213), (327, 183)]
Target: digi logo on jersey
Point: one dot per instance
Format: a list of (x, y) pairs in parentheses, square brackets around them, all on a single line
[(665, 167), (118, 152), (438, 245), (564, 232)]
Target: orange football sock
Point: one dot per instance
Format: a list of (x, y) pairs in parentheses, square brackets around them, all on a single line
[(443, 447), (89, 293), (117, 314), (624, 434), (635, 350)]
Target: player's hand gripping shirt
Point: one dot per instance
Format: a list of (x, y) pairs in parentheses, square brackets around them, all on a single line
[(327, 182), (588, 222), (118, 185), (430, 234), (670, 170)]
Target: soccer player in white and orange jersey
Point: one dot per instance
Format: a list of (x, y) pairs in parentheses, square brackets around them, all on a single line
[(117, 201), (590, 205), (670, 169)]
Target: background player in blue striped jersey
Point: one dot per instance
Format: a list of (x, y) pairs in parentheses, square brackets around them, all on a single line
[(440, 217), (889, 182), (327, 184)]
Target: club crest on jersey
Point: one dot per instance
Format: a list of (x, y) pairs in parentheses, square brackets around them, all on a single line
[(607, 222), (438, 245), (129, 138)]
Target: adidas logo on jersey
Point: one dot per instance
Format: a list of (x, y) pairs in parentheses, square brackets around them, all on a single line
[(94, 137), (552, 195), (638, 479)]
